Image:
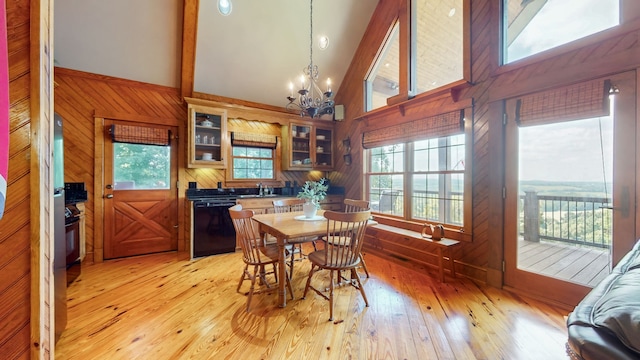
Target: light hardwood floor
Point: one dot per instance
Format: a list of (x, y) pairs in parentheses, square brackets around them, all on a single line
[(161, 307)]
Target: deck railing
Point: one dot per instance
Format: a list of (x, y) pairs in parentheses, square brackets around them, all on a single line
[(576, 220), (425, 205)]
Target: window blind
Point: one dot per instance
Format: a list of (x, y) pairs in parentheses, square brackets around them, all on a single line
[(446, 124), (579, 101), (140, 135), (254, 140)]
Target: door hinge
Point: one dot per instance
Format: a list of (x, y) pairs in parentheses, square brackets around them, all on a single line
[(178, 184), (504, 192), (504, 266), (504, 118)]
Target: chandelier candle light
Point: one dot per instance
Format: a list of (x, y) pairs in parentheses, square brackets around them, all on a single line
[(312, 101)]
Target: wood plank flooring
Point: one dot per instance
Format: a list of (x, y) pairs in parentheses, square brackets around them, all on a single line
[(161, 307), (582, 265)]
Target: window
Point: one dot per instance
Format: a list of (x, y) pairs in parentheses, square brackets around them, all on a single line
[(384, 79), (439, 48), (437, 34), (252, 163), (533, 26), (141, 167), (386, 179), (418, 170), (438, 180), (141, 157)]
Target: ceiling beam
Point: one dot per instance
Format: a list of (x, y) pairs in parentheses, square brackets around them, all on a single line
[(189, 37)]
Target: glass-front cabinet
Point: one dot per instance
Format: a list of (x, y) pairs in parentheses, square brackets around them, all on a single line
[(207, 137), (308, 147)]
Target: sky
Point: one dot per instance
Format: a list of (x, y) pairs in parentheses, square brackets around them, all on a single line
[(569, 151), (562, 21)]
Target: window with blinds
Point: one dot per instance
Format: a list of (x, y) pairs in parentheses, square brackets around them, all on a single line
[(419, 170), (574, 102), (145, 135)]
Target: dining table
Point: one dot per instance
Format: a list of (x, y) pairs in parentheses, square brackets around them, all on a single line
[(285, 226), (291, 225)]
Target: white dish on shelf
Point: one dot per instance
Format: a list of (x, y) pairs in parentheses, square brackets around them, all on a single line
[(296, 162), (320, 137), (207, 156), (302, 134), (304, 218), (206, 123)]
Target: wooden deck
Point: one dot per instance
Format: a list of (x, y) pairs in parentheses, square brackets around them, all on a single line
[(581, 265)]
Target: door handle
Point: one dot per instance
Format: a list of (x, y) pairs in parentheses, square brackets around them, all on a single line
[(109, 196)]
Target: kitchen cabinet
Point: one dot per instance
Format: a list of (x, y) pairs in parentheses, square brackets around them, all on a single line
[(208, 138), (307, 147)]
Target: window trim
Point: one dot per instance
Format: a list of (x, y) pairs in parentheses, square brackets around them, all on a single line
[(466, 230), (627, 25)]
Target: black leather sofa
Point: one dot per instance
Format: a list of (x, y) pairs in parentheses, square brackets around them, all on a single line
[(606, 323)]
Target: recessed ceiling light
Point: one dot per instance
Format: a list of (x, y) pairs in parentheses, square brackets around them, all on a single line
[(323, 42), (452, 12), (224, 6)]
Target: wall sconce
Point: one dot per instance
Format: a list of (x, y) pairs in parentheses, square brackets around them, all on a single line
[(347, 159), (346, 143)]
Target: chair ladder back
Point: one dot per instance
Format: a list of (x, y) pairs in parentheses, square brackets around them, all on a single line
[(287, 205), (345, 234), (246, 232), (351, 205)]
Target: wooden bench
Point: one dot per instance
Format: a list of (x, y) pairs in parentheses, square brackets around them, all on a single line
[(441, 245)]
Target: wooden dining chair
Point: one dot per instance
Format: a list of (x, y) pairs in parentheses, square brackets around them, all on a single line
[(351, 205), (255, 253), (292, 205), (345, 236)]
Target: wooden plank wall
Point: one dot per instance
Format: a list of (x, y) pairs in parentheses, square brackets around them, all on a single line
[(15, 225), (80, 95), (606, 54)]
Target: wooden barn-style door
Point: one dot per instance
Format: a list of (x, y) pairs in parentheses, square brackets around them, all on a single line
[(140, 201), (570, 212)]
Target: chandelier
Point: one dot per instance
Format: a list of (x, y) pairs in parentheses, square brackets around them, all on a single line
[(312, 100)]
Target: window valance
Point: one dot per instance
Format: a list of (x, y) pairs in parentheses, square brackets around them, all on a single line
[(578, 101), (254, 140), (446, 124), (140, 135)]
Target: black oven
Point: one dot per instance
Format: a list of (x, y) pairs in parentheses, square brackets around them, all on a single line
[(72, 242)]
